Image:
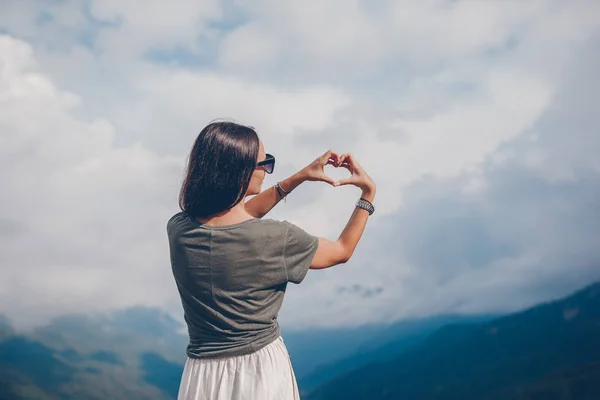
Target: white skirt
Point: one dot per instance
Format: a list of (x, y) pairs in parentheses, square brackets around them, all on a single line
[(266, 374)]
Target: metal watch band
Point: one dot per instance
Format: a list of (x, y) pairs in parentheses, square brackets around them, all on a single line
[(365, 205)]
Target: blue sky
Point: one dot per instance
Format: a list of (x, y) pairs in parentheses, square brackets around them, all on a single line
[(476, 120)]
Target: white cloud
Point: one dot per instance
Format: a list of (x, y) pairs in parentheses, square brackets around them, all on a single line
[(358, 40), (83, 207), (249, 47), (527, 233), (143, 25), (91, 215), (94, 134), (178, 102)]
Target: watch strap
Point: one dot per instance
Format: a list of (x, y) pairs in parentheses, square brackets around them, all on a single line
[(365, 205)]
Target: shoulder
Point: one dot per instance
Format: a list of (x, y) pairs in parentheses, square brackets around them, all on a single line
[(270, 227), (293, 234), (278, 231), (176, 221), (283, 226)]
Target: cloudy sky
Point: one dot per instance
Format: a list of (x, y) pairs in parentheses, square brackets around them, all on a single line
[(478, 120)]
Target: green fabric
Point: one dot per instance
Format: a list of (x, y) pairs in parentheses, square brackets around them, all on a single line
[(232, 280)]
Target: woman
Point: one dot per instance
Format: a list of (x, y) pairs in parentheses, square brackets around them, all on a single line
[(231, 266)]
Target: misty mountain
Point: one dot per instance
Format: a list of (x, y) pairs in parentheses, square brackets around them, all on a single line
[(94, 356), (551, 351), (5, 328), (386, 343), (139, 353)]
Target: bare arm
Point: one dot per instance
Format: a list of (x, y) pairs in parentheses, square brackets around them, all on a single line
[(330, 253), (262, 203)]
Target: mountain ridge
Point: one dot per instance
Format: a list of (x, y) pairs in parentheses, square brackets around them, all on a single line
[(139, 353), (517, 351)]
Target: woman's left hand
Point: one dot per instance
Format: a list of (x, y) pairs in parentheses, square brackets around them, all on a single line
[(315, 170)]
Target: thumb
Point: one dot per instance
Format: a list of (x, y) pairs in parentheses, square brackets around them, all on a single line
[(345, 181)]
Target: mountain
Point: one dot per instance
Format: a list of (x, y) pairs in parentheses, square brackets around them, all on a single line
[(139, 353), (135, 353), (551, 351), (125, 332), (384, 343), (5, 327)]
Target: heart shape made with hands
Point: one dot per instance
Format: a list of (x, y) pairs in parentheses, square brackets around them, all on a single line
[(336, 172), (337, 166)]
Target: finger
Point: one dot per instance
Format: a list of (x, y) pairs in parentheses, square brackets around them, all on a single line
[(347, 166), (333, 161), (344, 158), (348, 158), (335, 156), (345, 181), (330, 154)]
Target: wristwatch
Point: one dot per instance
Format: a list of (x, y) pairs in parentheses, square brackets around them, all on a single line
[(365, 205)]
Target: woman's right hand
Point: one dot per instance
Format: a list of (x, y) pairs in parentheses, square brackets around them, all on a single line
[(330, 253), (358, 177)]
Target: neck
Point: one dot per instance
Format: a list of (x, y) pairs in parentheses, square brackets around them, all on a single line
[(234, 215)]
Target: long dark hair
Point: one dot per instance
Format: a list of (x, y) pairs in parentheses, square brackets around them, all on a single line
[(219, 169)]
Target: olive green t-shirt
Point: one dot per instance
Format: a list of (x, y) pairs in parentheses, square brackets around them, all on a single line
[(232, 280)]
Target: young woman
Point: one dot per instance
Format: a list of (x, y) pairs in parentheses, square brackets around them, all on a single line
[(231, 266)]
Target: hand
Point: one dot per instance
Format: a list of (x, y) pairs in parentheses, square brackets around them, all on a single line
[(358, 177), (315, 170)]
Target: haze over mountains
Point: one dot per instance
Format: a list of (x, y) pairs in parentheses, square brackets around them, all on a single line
[(551, 351)]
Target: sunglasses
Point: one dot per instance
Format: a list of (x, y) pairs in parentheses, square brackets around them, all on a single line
[(268, 163)]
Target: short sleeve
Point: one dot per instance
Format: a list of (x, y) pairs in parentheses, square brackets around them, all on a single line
[(300, 248)]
